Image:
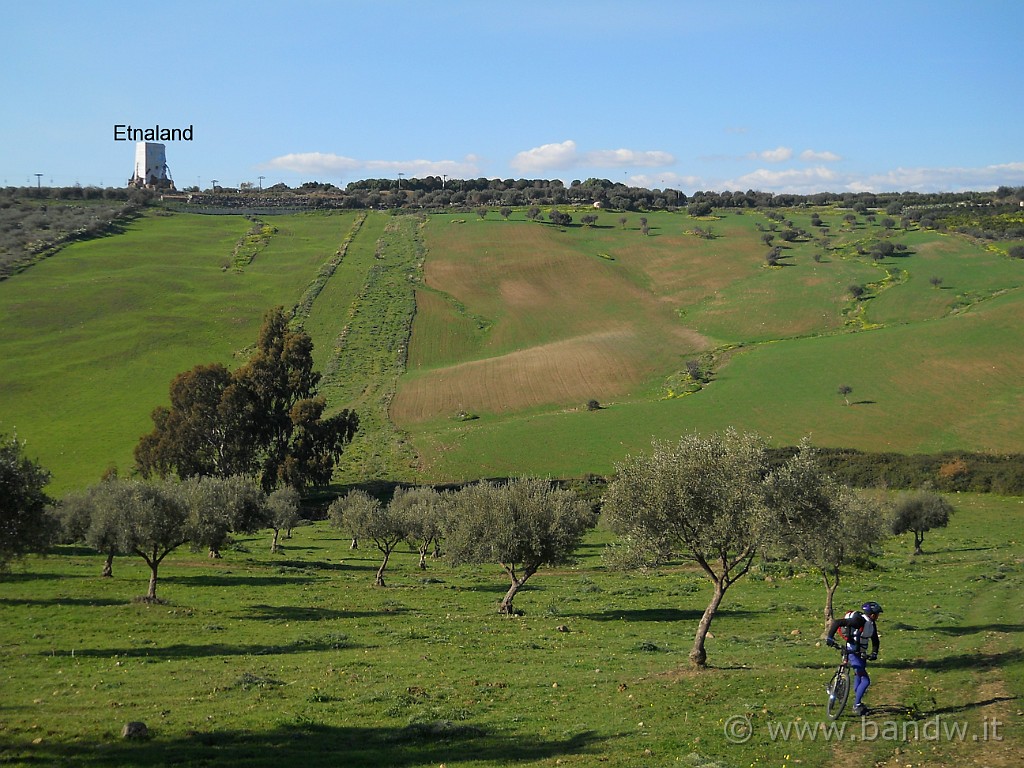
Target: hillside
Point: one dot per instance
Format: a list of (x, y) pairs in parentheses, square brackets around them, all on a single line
[(519, 323), (522, 323)]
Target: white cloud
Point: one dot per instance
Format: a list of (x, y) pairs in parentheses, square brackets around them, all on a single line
[(810, 156), (777, 155), (952, 179), (313, 164), (797, 180), (565, 156), (623, 158), (819, 178), (546, 157)]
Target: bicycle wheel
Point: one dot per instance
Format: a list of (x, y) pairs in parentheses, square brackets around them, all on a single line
[(838, 693)]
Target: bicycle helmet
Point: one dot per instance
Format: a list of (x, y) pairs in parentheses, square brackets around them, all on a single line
[(871, 607)]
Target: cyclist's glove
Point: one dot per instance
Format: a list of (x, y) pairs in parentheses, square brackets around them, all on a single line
[(831, 643), (872, 656)]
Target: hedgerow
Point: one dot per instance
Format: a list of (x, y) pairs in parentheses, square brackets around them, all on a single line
[(948, 472)]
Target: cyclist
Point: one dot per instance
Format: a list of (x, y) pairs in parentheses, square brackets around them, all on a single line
[(861, 627)]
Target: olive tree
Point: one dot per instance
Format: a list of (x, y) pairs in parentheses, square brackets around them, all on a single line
[(282, 508), (89, 517), (522, 526), (421, 512), (703, 499), (822, 522), (26, 524), (918, 513), (220, 506), (365, 517), (845, 390), (151, 520)]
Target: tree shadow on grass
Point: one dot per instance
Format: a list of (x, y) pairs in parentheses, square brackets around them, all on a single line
[(312, 746), (297, 613), (14, 577), (656, 614), (975, 629), (498, 589), (318, 565), (55, 601), (978, 661), (963, 549), (326, 642), (219, 580)]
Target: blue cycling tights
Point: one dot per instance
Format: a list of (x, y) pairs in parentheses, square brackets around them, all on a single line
[(861, 680)]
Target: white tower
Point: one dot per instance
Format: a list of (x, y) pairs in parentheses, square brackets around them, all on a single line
[(150, 166)]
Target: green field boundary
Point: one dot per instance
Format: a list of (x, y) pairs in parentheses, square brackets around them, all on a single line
[(300, 313), (251, 244), (370, 354)]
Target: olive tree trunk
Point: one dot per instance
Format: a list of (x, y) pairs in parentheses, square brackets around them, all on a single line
[(699, 655), (505, 607), (151, 592), (831, 585), (153, 561), (380, 571)]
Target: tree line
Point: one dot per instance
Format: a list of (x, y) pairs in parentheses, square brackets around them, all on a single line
[(714, 500), (442, 193), (949, 472), (265, 419), (985, 214)]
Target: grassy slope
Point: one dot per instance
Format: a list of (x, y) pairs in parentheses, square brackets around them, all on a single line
[(955, 350), (368, 355), (950, 385), (326, 316), (92, 337), (297, 659)]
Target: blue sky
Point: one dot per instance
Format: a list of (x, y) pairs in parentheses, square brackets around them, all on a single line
[(774, 95)]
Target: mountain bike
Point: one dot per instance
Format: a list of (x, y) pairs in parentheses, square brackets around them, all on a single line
[(839, 687)]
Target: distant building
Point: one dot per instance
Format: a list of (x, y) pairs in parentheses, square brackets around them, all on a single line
[(151, 167)]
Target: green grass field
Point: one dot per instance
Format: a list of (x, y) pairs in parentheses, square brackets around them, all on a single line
[(932, 368), (522, 323), (92, 337), (296, 659)]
